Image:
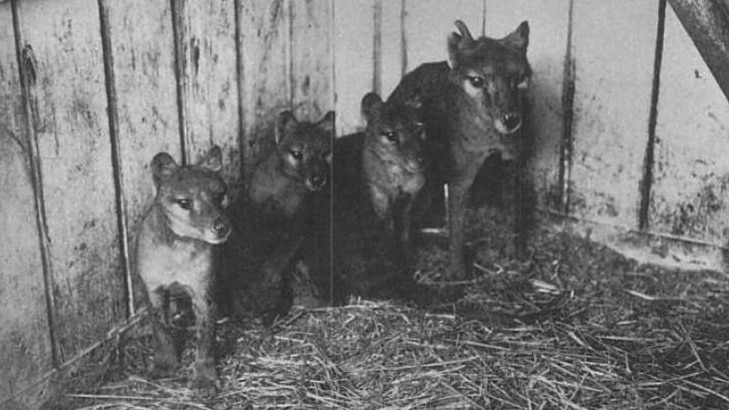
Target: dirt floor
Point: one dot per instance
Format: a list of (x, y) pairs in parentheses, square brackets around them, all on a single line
[(576, 326)]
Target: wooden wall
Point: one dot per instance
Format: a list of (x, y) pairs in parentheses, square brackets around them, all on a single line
[(628, 126)]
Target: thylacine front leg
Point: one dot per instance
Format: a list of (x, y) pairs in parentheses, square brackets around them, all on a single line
[(457, 198), (382, 204), (404, 219), (275, 263), (167, 354), (517, 208), (204, 377)]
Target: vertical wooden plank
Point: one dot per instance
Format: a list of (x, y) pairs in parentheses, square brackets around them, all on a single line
[(548, 23), (141, 35), (25, 346), (79, 191), (691, 175), (392, 45), (353, 66), (429, 22), (613, 50), (212, 84), (263, 43), (312, 60)]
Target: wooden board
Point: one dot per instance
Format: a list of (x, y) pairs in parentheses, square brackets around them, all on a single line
[(614, 49), (548, 24), (353, 65), (141, 38), (312, 61), (212, 82), (691, 173), (264, 32), (75, 153), (392, 49), (24, 332), (429, 22)]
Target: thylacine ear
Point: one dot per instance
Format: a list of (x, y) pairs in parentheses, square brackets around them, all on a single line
[(213, 160), (328, 122), (519, 38), (458, 42), (163, 165), (371, 105), (285, 125)]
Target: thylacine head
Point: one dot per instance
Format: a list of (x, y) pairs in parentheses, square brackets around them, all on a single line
[(395, 132), (492, 72), (305, 149), (192, 197)]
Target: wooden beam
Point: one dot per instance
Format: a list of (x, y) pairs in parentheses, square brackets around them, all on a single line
[(707, 23)]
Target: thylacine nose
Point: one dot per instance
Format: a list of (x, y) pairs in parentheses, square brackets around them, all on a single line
[(511, 121), (416, 163), (221, 227), (317, 181)]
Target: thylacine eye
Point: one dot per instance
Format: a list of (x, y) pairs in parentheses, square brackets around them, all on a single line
[(476, 81), (390, 136), (184, 203), (297, 155)]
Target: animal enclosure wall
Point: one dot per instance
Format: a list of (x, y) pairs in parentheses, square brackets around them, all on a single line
[(628, 125)]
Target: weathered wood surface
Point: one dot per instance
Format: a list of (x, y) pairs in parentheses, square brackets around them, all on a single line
[(312, 91), (141, 38), (392, 51), (73, 139), (613, 50), (25, 347), (212, 82), (429, 22), (353, 60), (549, 25), (245, 61), (707, 23), (691, 174), (265, 66)]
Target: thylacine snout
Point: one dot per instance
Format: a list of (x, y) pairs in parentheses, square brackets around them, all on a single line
[(306, 148), (494, 72), (395, 133), (193, 198)]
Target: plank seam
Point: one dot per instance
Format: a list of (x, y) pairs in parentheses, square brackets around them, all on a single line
[(377, 47), (178, 33), (116, 161), (34, 162), (646, 183), (240, 73), (403, 39), (568, 97)]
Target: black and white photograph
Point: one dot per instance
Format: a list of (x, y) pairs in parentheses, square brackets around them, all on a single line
[(364, 204)]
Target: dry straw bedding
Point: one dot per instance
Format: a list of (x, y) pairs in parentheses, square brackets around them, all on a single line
[(575, 327)]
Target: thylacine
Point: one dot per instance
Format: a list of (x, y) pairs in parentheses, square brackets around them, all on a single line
[(174, 254), (473, 107), (270, 217), (377, 176)]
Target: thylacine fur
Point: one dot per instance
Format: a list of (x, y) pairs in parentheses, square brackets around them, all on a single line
[(473, 108), (377, 176), (174, 254), (271, 215)]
